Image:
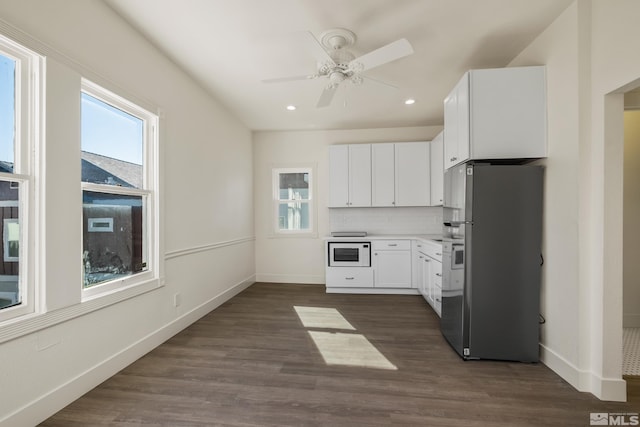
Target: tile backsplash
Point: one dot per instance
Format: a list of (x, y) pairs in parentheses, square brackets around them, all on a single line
[(423, 220)]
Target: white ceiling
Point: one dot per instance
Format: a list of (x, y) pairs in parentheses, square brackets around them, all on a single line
[(229, 46)]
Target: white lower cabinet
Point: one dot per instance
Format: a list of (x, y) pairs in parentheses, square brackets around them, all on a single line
[(428, 273), (349, 277), (398, 266), (391, 261)]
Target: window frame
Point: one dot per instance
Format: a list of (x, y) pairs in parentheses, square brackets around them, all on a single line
[(148, 192), (28, 140), (276, 171)]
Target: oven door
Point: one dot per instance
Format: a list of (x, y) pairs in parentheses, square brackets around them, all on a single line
[(349, 254)]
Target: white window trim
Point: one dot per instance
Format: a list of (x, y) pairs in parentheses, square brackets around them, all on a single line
[(149, 191), (276, 201), (28, 145)]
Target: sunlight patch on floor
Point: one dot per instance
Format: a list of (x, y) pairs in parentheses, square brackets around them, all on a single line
[(344, 346), (347, 349), (322, 317)]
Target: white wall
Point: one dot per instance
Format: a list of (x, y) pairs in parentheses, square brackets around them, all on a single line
[(588, 52), (301, 259), (631, 290), (207, 208), (557, 48)]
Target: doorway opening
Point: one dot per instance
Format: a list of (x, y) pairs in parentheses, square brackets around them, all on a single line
[(631, 235)]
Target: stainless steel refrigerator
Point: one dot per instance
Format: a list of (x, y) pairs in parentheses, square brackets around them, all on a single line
[(491, 264)]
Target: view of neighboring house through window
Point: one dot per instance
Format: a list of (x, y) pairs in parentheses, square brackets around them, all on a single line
[(10, 294), (19, 77), (116, 135), (293, 200)]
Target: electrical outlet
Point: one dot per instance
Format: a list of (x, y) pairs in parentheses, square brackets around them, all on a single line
[(177, 300)]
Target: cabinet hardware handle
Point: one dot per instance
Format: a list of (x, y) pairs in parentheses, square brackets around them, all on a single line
[(349, 278), (438, 274), (437, 299), (419, 246), (420, 257), (393, 244), (427, 260), (438, 253)]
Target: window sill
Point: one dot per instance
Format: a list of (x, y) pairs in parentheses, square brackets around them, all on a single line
[(294, 235), (27, 324)]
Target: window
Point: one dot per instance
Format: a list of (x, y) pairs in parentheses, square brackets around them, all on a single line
[(118, 191), (20, 82), (293, 201)]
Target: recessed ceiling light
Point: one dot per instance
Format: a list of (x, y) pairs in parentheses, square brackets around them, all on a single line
[(410, 101), (291, 107)]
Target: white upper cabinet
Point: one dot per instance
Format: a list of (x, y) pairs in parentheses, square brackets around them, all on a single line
[(496, 114), (437, 169), (350, 175), (400, 174), (412, 174), (382, 175)]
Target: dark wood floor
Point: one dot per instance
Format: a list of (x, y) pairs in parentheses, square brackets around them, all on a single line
[(251, 362)]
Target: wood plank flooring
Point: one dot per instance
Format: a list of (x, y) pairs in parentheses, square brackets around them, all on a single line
[(252, 362)]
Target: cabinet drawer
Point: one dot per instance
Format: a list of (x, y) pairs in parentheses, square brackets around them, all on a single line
[(349, 277), (431, 249), (391, 245)]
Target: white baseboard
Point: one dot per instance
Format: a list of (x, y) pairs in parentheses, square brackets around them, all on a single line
[(631, 320), (50, 403), (609, 389), (373, 291), (290, 278)]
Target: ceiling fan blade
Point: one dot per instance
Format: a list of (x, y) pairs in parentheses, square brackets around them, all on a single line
[(289, 79), (379, 82), (380, 56), (326, 97), (319, 53)]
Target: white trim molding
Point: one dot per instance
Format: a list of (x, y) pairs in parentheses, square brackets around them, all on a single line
[(204, 248), (609, 389)]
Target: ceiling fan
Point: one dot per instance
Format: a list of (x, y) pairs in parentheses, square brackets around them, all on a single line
[(337, 64)]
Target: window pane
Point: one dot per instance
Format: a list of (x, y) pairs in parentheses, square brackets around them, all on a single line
[(112, 145), (113, 233), (293, 216), (294, 186), (9, 269), (7, 112)]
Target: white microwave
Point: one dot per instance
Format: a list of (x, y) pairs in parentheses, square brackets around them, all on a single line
[(349, 254)]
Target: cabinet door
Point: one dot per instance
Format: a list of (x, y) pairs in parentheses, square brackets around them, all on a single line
[(437, 170), (456, 124), (412, 176), (382, 175), (425, 276), (416, 265), (450, 132), (392, 269), (463, 119), (359, 175), (338, 176), (436, 286)]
